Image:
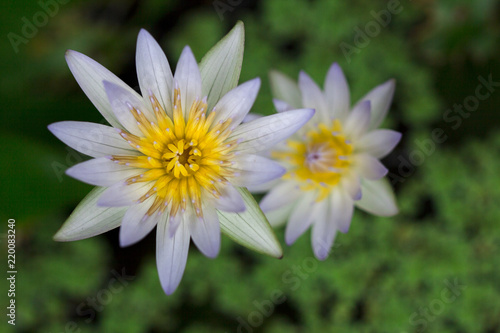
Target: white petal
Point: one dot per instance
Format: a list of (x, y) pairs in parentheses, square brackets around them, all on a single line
[(337, 93), (341, 209), (237, 103), (302, 216), (174, 222), (188, 78), (263, 187), (250, 228), (280, 195), (312, 96), (206, 231), (136, 224), (279, 217), (254, 170), (352, 185), (380, 98), (101, 172), (285, 89), (121, 194), (91, 139), (369, 167), (220, 68), (90, 76), (153, 71), (88, 219), (323, 233), (230, 200), (378, 143), (122, 103), (358, 120), (281, 106), (251, 117), (378, 198), (171, 255), (262, 134)]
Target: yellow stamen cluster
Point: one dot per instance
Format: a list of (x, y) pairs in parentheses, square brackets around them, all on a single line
[(185, 158), (319, 161)]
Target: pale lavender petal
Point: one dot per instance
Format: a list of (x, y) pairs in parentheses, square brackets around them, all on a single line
[(358, 120), (369, 167), (187, 75), (378, 143), (205, 231), (304, 212), (380, 98), (250, 170), (171, 255), (312, 96), (323, 234), (230, 200), (378, 198), (337, 93), (341, 209), (121, 194), (136, 224), (101, 172), (280, 195), (285, 89), (281, 106)]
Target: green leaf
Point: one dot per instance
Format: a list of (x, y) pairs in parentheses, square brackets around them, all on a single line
[(220, 68), (251, 228), (88, 219)]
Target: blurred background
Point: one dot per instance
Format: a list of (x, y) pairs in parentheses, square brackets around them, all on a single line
[(432, 268)]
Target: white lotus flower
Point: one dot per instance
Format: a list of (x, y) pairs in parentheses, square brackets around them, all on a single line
[(332, 162), (177, 156)]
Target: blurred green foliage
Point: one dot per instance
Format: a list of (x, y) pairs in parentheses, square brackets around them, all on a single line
[(381, 276)]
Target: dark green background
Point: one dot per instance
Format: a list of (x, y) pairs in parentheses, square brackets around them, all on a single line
[(385, 275)]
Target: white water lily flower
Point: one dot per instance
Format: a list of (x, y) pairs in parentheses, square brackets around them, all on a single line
[(332, 162), (176, 157)]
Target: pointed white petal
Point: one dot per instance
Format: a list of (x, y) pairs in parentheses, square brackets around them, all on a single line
[(312, 96), (237, 103), (369, 167), (323, 233), (91, 139), (230, 200), (250, 228), (380, 98), (281, 195), (187, 75), (337, 93), (137, 224), (122, 103), (281, 106), (378, 143), (304, 212), (220, 68), (101, 172), (262, 134), (285, 89), (171, 255), (174, 222), (88, 219), (378, 198), (89, 74), (254, 170), (121, 194), (341, 209), (352, 185), (358, 120), (206, 231), (153, 71), (264, 187), (279, 217), (251, 117)]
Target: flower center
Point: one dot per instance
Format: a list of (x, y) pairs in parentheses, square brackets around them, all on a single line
[(319, 160), (182, 159)]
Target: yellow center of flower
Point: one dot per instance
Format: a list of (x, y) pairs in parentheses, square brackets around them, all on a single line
[(319, 160), (183, 158)]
